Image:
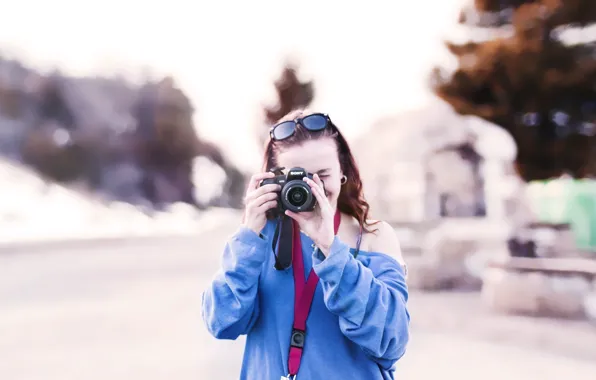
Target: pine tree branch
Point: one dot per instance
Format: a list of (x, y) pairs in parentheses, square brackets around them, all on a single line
[(539, 89)]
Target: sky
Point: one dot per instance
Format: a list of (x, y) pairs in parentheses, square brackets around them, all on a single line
[(366, 61)]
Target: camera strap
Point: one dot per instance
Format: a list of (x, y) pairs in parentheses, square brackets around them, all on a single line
[(304, 291), (283, 257), (283, 235)]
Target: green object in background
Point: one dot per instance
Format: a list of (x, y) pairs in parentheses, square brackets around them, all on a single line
[(568, 201), (582, 212)]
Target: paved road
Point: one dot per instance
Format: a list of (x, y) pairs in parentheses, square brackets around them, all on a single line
[(132, 311)]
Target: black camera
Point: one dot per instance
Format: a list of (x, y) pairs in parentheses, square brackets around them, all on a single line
[(295, 194)]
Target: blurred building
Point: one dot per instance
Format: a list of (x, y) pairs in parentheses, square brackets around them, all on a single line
[(431, 163)]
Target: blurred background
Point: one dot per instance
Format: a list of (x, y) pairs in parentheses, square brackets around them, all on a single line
[(128, 130)]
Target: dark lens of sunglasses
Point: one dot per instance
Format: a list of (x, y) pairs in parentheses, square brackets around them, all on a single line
[(315, 122), (284, 130)]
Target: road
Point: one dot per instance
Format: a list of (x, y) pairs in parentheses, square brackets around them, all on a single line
[(132, 311)]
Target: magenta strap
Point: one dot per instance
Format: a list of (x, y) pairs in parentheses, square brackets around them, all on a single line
[(304, 291)]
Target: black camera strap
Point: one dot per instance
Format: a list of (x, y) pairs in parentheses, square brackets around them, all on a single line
[(284, 232)]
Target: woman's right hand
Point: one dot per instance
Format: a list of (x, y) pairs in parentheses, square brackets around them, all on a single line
[(258, 200)]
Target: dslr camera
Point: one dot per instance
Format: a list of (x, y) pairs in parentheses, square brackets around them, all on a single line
[(295, 194)]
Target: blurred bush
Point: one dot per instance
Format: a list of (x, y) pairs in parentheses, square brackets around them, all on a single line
[(131, 143)]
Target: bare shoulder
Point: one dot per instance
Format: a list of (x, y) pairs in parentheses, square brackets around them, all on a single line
[(383, 239)]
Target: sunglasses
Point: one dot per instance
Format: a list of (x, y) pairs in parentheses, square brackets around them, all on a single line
[(314, 123)]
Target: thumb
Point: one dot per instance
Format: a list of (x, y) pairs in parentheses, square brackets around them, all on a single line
[(296, 216)]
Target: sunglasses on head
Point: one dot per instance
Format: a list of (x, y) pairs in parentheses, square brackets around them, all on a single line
[(314, 122)]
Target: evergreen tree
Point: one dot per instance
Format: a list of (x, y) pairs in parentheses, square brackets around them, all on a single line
[(291, 94), (530, 80)]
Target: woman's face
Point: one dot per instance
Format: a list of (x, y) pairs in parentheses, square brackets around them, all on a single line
[(318, 156)]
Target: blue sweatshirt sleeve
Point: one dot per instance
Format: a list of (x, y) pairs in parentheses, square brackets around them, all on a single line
[(370, 301), (230, 303)]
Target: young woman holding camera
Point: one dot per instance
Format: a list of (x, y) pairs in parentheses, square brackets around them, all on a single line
[(340, 311)]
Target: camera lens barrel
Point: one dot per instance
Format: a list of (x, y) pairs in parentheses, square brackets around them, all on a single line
[(297, 196)]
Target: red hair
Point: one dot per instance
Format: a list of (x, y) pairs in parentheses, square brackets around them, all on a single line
[(351, 199)]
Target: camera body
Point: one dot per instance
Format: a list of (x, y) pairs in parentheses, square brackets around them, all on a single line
[(295, 194)]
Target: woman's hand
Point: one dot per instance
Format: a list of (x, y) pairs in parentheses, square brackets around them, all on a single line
[(258, 200), (318, 224)]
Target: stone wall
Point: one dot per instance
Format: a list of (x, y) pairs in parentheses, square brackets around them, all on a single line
[(454, 253), (547, 240), (563, 288)]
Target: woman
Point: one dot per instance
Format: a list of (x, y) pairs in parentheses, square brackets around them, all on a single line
[(349, 319)]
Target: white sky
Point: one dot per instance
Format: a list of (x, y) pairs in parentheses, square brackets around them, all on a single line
[(366, 61)]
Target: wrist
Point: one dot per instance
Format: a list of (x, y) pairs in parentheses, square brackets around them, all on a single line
[(257, 231), (325, 246)]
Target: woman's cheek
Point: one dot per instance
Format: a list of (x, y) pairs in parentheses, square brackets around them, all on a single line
[(333, 193), (328, 188)]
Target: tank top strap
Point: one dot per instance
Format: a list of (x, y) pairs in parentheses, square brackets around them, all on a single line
[(358, 242)]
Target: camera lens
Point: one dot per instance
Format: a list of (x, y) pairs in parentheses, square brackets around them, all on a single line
[(297, 196)]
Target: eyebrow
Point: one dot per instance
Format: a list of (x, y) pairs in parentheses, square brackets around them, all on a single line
[(322, 171)]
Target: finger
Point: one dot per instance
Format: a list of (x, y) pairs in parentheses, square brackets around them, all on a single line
[(311, 183), (266, 206), (306, 215), (270, 188), (256, 179), (320, 184), (317, 192), (296, 216), (258, 202), (265, 198), (319, 181)]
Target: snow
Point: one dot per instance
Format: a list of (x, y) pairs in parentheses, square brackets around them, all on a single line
[(33, 210)]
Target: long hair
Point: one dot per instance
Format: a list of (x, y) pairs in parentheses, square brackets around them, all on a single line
[(351, 199)]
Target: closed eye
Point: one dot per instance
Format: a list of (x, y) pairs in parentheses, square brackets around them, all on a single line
[(323, 173)]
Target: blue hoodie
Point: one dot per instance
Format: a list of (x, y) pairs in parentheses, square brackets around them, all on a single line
[(358, 326)]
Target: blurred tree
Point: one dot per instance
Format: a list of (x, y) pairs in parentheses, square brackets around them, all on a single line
[(168, 143), (51, 144), (107, 134), (164, 114), (291, 94), (531, 81), (51, 151)]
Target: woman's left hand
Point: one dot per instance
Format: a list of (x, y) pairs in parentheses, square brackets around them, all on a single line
[(318, 224)]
